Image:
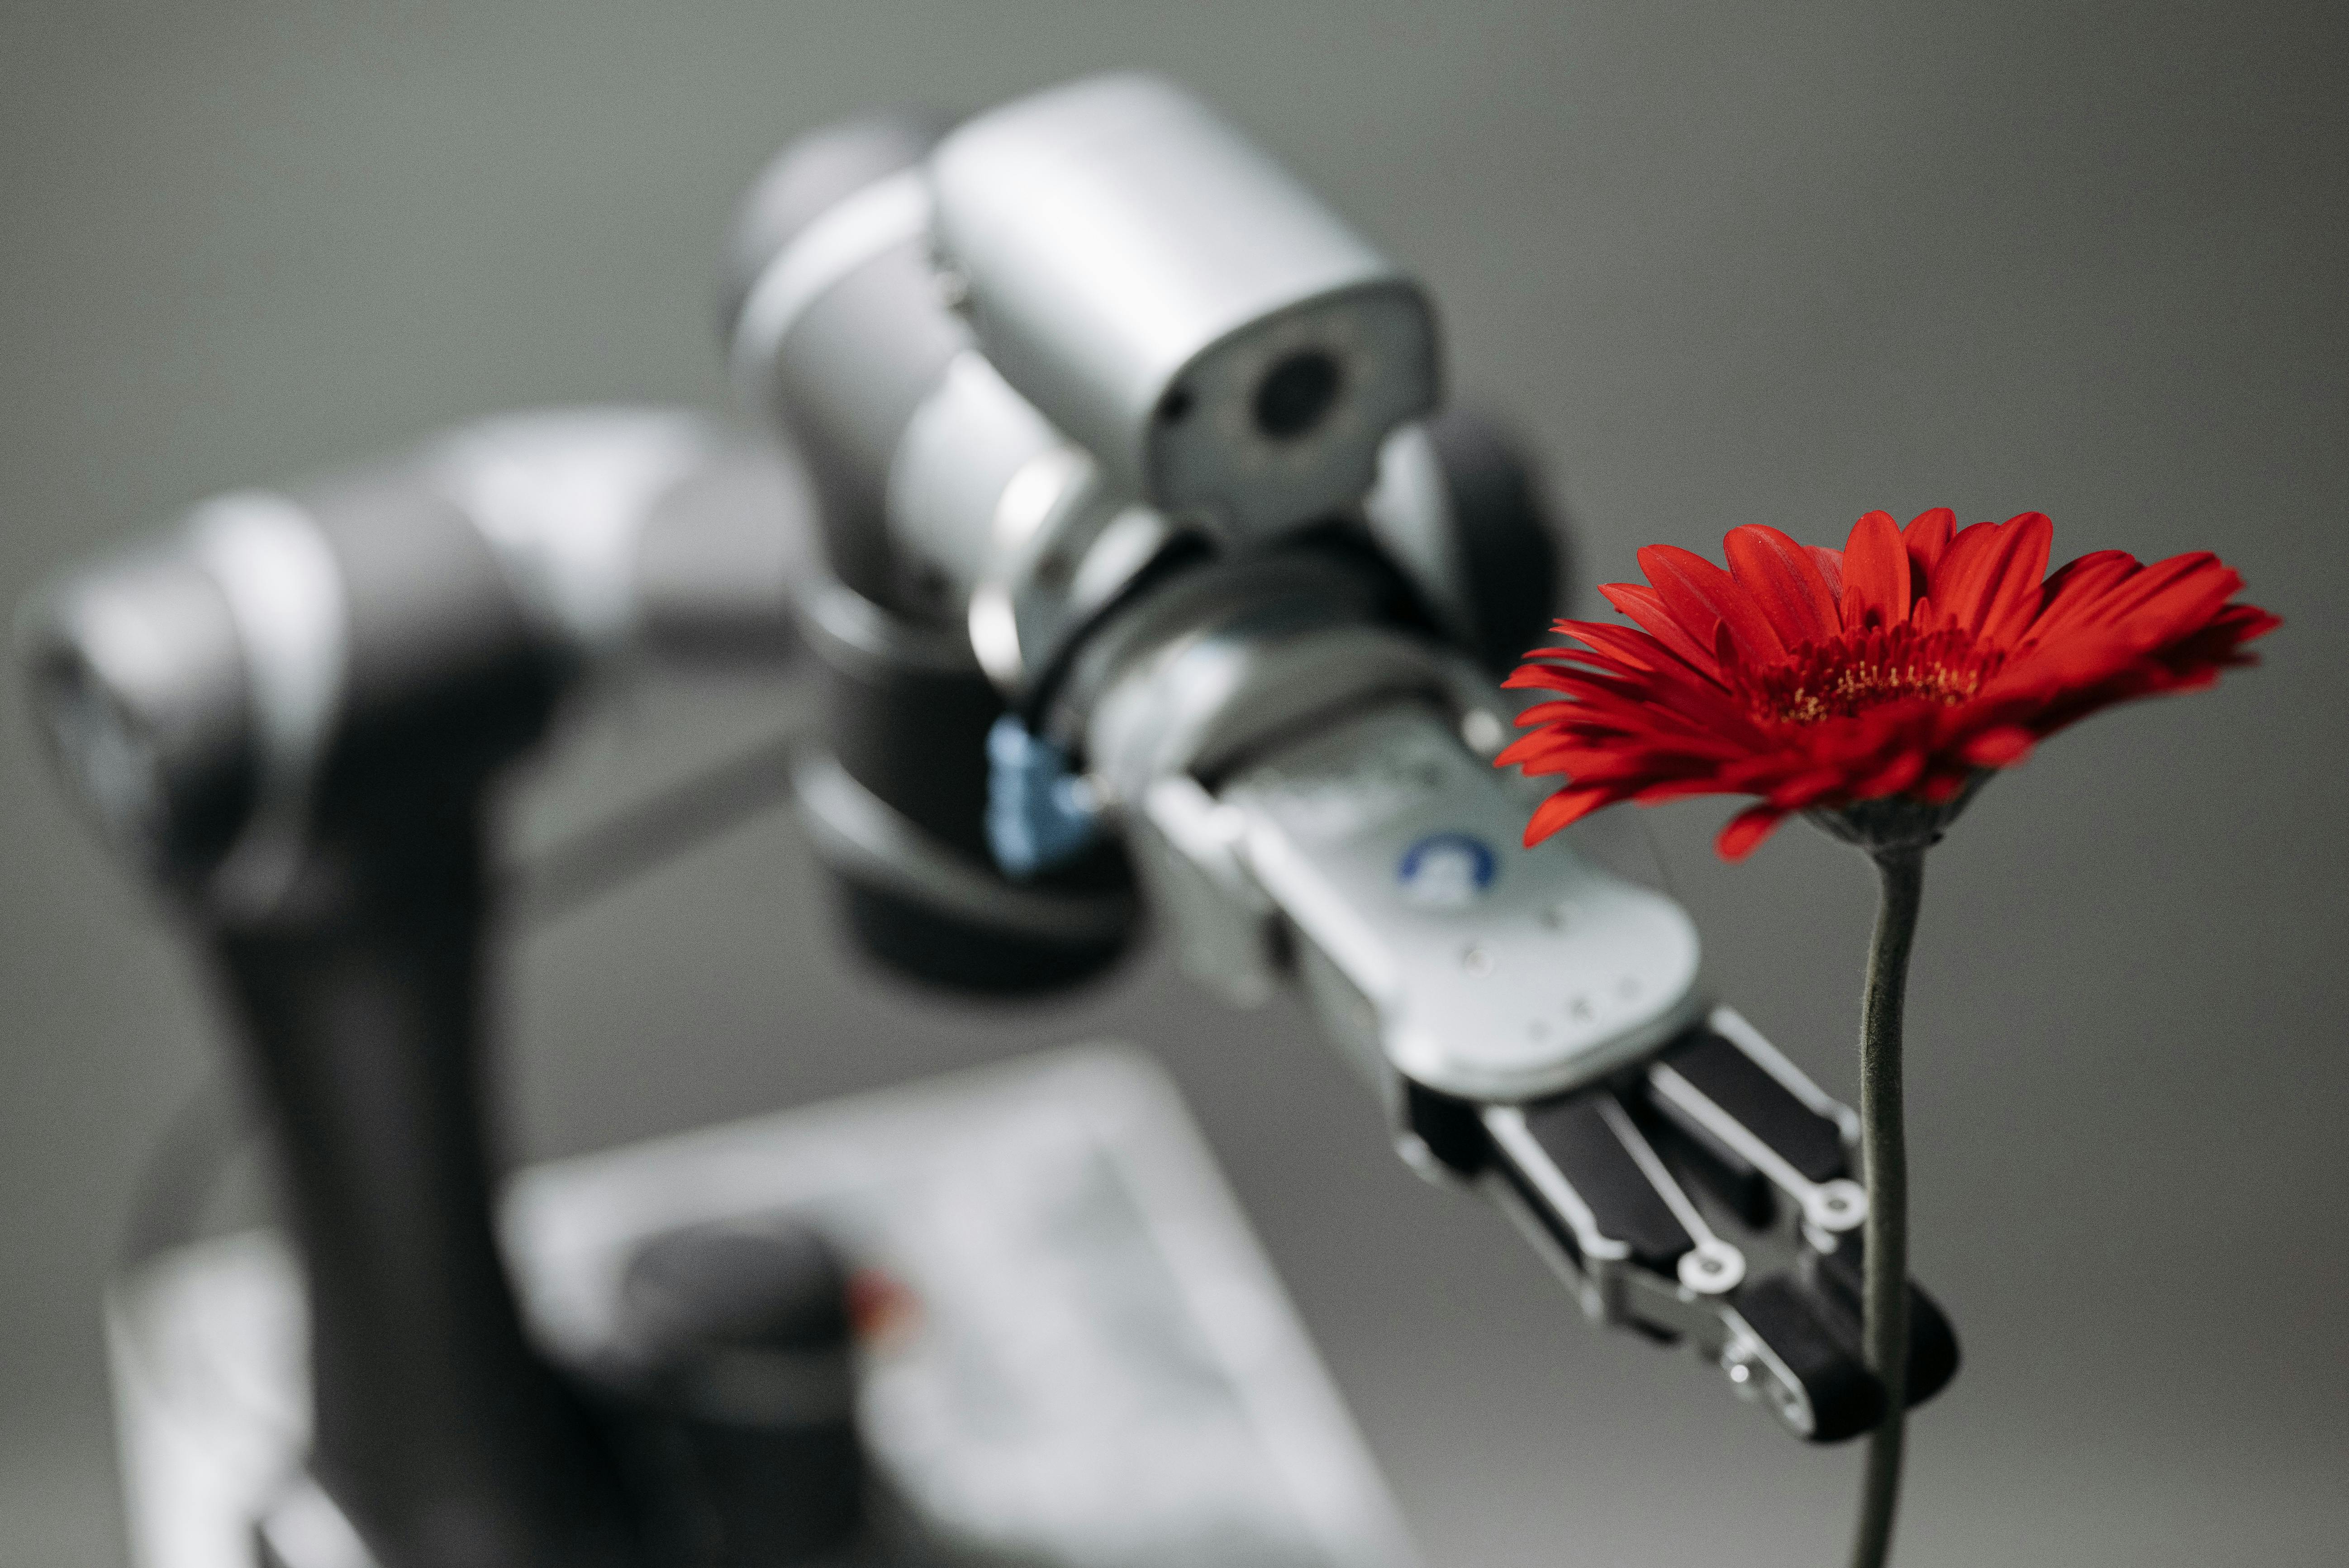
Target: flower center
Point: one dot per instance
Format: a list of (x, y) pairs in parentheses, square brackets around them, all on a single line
[(1851, 674)]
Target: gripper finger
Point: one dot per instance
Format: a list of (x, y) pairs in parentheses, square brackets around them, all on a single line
[(1794, 1348), (1932, 1341), (1731, 1102), (1593, 1181)]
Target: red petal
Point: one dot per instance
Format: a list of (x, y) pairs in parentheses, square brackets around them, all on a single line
[(2072, 662), (1560, 810), (1785, 581), (2001, 747), (1989, 581), (1746, 830), (1645, 607), (1898, 775), (2221, 640), (1805, 788), (1830, 565), (1525, 749), (2109, 613), (2170, 599), (1679, 789), (1941, 789), (1621, 645), (1875, 573), (1670, 688), (1702, 596), (1927, 539), (2018, 595), (2077, 593)]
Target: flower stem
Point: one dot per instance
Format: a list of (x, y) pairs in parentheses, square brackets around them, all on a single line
[(1884, 1155)]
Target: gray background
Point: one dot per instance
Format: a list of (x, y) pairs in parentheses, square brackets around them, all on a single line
[(1726, 263)]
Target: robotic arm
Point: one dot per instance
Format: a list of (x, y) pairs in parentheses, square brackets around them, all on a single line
[(290, 714), (1313, 803), (1095, 391), (1153, 574)]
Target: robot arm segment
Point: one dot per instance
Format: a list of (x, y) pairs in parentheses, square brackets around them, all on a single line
[(1116, 402), (291, 716)]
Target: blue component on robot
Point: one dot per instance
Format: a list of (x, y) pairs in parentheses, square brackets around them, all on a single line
[(1447, 871), (1038, 814)]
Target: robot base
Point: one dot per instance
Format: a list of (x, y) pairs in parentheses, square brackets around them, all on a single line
[(1096, 1363)]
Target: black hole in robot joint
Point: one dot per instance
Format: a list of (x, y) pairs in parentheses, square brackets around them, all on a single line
[(1297, 394)]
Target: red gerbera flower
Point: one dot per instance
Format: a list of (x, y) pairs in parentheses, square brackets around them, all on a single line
[(1900, 668)]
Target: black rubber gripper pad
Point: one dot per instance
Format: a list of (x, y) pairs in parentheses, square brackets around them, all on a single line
[(1705, 1162), (1932, 1341), (1732, 1081), (1800, 1327), (1596, 1164)]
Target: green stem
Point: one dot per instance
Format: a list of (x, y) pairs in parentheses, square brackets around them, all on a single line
[(1885, 1157)]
